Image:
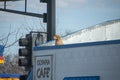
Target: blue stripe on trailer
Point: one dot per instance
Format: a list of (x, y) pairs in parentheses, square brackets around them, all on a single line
[(83, 78), (77, 45)]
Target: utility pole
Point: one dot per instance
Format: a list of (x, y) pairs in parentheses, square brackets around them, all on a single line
[(51, 20), (49, 17)]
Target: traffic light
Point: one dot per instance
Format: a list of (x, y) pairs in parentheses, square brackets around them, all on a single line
[(45, 17), (25, 53)]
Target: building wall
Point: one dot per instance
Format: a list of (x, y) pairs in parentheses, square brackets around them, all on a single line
[(79, 60)]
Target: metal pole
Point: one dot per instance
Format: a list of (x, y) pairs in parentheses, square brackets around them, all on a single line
[(23, 13), (25, 5), (5, 4), (50, 19)]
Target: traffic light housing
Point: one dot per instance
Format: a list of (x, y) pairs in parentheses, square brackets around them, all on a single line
[(25, 53), (45, 17)]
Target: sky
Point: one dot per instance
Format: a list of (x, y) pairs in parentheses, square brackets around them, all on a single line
[(71, 15)]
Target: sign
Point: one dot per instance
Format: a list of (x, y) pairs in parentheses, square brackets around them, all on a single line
[(44, 67), (38, 39), (1, 60), (1, 50)]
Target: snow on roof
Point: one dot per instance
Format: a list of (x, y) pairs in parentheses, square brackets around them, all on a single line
[(108, 30)]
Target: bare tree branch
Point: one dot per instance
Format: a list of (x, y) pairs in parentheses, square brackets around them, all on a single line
[(7, 38), (18, 32), (4, 38), (11, 44)]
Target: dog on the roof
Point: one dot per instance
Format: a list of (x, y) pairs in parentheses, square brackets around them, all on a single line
[(58, 40)]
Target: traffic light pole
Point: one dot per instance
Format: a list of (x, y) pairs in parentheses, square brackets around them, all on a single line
[(49, 17), (23, 13)]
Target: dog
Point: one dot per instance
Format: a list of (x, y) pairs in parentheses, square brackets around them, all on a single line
[(58, 40)]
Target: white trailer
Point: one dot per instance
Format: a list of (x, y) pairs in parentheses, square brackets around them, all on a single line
[(84, 61)]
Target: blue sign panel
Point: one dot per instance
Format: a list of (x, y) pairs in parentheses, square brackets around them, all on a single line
[(83, 78), (9, 76), (1, 50)]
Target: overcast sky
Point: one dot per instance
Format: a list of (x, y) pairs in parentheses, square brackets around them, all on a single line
[(71, 15)]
